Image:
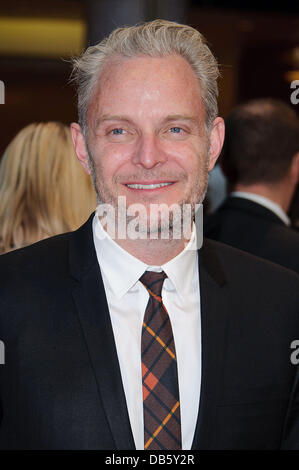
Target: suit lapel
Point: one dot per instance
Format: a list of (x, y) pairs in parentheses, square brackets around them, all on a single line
[(214, 326), (90, 299)]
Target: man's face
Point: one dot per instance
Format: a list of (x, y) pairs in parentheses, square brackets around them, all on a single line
[(146, 133)]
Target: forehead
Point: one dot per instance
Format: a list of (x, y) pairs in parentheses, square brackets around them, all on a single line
[(149, 84)]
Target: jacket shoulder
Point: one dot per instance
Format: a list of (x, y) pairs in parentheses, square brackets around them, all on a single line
[(241, 266), (45, 251), (26, 269)]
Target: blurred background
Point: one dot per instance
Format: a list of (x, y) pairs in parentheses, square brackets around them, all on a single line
[(257, 46)]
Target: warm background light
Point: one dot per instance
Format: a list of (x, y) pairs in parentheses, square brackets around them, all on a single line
[(41, 37), (292, 75)]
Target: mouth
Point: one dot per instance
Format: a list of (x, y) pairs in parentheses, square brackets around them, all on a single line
[(149, 186)]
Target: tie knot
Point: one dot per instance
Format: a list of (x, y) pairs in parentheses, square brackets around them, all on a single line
[(153, 281)]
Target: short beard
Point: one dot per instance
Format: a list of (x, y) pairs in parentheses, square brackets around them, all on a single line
[(162, 227)]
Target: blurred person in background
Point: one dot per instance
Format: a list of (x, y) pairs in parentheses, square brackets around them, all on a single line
[(39, 181), (260, 159), (217, 190)]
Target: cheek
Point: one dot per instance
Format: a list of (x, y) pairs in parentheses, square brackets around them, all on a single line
[(189, 157), (110, 158), (199, 158)]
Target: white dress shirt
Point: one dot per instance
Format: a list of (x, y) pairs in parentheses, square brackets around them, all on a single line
[(127, 299), (264, 201)]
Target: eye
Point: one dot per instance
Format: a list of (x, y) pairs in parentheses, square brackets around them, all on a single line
[(176, 130), (117, 131)]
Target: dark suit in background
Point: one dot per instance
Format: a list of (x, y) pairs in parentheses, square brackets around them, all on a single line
[(252, 227), (61, 387)]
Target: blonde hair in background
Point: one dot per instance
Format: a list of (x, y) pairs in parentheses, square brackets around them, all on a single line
[(43, 188), (158, 38)]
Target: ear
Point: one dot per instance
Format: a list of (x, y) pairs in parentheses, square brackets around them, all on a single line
[(216, 141), (80, 147)]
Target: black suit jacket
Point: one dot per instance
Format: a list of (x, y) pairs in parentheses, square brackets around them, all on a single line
[(252, 227), (61, 387)]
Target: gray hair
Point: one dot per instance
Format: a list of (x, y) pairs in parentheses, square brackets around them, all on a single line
[(158, 38)]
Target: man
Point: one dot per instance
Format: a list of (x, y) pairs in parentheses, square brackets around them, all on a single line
[(144, 342), (260, 159)]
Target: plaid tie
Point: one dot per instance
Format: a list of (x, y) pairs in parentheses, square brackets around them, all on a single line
[(161, 405)]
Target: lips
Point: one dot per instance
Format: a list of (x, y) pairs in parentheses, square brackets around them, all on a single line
[(148, 186)]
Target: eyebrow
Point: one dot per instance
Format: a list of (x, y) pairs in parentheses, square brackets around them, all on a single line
[(170, 117), (108, 117), (179, 117)]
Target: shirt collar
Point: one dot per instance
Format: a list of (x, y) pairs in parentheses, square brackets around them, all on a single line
[(180, 269), (122, 270), (264, 201)]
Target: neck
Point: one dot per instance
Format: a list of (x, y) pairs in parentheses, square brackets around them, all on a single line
[(280, 193), (153, 252), (152, 248)]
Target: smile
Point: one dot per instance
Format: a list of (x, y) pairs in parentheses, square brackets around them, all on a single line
[(148, 186)]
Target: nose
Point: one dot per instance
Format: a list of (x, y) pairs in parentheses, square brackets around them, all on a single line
[(149, 152)]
